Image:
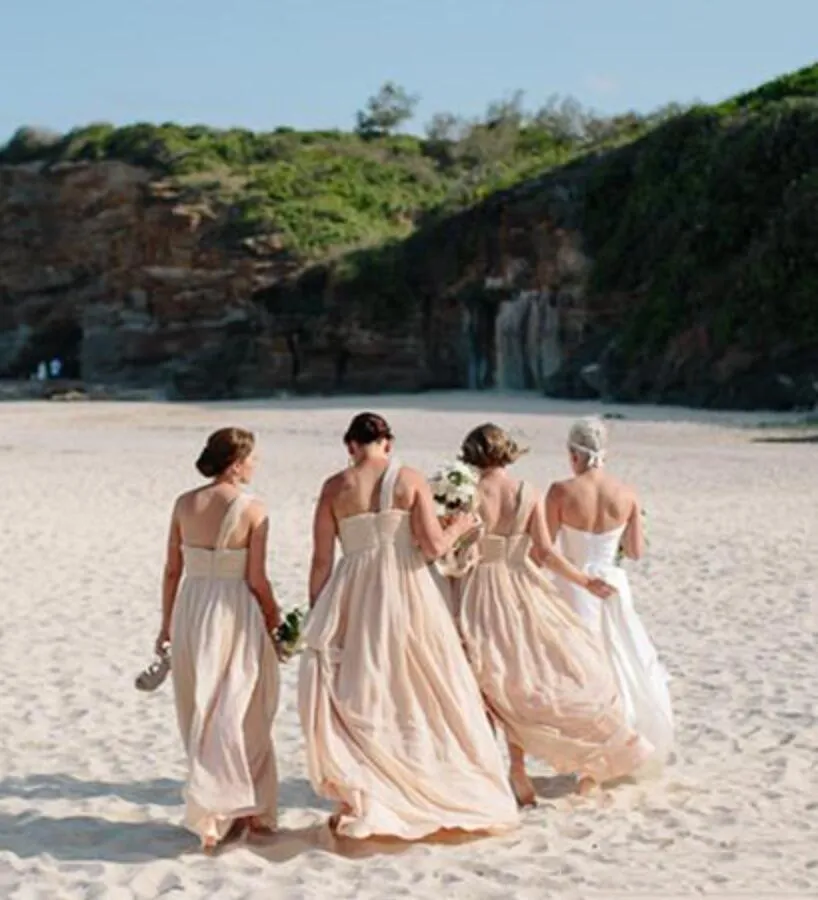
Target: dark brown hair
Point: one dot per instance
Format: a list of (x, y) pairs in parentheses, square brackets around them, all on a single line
[(367, 428), (223, 448), (488, 447)]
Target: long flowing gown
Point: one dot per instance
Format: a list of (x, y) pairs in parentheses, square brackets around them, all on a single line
[(543, 674), (641, 678), (225, 678), (394, 723)]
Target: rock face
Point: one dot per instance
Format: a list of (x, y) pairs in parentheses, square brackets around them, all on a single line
[(138, 284), (132, 283), (536, 328)]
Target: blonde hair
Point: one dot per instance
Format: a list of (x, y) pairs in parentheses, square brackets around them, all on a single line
[(589, 439), (489, 446)]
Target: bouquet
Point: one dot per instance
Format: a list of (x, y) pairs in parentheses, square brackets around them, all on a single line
[(287, 637), (620, 553), (454, 489)]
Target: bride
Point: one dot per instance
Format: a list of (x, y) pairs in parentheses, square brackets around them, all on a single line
[(394, 723), (592, 516)]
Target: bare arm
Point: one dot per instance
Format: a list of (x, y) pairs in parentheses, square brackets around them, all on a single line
[(434, 540), (544, 554), (553, 510), (256, 576), (633, 538), (171, 576), (542, 548), (323, 544)]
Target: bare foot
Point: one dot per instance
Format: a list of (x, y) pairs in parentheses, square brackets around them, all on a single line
[(523, 788), (212, 845), (258, 829), (344, 809), (209, 846), (586, 786)]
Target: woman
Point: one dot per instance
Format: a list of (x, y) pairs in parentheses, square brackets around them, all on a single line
[(544, 676), (593, 515), (225, 669), (395, 728)]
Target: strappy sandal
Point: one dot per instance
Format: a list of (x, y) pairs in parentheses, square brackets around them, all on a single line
[(150, 678)]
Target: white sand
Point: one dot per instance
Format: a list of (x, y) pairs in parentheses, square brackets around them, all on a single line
[(91, 770)]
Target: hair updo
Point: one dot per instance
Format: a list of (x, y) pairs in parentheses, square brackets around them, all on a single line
[(224, 448), (589, 439), (490, 447), (368, 428)]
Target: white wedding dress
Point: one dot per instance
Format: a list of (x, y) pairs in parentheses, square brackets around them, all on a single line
[(642, 679)]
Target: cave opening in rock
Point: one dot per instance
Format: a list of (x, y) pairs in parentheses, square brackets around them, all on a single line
[(58, 340)]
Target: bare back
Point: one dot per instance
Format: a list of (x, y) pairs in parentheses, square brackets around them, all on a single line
[(594, 501), (498, 504), (200, 514), (356, 491)]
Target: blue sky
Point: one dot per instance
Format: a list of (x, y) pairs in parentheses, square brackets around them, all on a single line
[(312, 63)]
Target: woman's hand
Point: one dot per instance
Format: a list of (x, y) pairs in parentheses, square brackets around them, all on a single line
[(162, 639), (461, 523), (272, 621), (599, 588)]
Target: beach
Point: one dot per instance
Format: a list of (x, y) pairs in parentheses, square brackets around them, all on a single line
[(91, 770)]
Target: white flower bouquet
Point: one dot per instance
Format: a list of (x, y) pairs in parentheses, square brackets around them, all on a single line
[(454, 489)]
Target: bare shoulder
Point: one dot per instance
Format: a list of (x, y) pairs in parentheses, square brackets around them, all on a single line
[(409, 483), (336, 484), (411, 477), (184, 502), (557, 490), (256, 511), (632, 495)]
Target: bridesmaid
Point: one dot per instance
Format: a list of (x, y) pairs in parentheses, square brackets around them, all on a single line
[(224, 665), (594, 515), (544, 676), (394, 723)]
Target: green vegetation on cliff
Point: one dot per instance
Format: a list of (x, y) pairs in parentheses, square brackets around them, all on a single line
[(704, 220), (710, 220), (327, 192)]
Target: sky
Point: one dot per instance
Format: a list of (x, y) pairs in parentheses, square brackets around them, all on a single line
[(261, 64)]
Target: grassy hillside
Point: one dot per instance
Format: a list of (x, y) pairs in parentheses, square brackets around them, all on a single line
[(323, 193)]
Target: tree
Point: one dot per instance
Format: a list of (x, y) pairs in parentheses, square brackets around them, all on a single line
[(386, 111), (564, 118), (445, 128), (28, 143), (508, 112)]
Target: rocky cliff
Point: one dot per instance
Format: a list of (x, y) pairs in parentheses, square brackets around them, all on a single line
[(130, 282), (676, 267)]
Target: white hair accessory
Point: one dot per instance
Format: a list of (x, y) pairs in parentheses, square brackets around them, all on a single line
[(594, 458)]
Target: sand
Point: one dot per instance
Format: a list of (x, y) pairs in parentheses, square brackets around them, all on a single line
[(91, 770)]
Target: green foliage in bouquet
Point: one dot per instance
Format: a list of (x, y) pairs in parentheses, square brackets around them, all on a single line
[(288, 634)]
